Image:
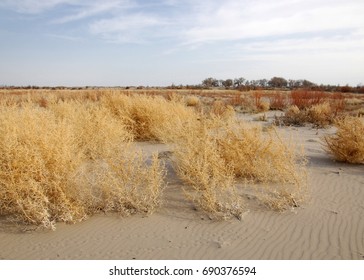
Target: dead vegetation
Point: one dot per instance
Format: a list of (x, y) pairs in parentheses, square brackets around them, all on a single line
[(347, 145), (210, 181), (211, 155), (146, 116), (320, 115), (65, 157), (44, 152), (274, 167)]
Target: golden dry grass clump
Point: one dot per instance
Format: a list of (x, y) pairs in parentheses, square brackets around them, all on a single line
[(146, 116), (126, 183), (99, 133), (319, 115), (68, 161), (221, 110), (347, 144), (198, 162), (263, 106), (211, 154), (276, 167), (192, 100), (38, 156)]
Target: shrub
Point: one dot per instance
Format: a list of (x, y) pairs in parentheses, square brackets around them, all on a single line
[(212, 153), (99, 133), (347, 144), (38, 157), (137, 112), (337, 102), (146, 116), (303, 98), (192, 100), (263, 106), (220, 109), (294, 116), (319, 115), (198, 162), (125, 183), (278, 101), (236, 100), (265, 159), (67, 158), (68, 161)]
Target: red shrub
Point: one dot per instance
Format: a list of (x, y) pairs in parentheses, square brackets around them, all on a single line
[(278, 101), (337, 102), (304, 98)]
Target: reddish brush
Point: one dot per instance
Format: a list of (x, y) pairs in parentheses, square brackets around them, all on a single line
[(304, 98), (278, 101)]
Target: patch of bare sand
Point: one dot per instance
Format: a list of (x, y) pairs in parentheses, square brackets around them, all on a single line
[(329, 226)]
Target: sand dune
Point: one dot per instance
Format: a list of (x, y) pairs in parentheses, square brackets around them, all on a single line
[(329, 226)]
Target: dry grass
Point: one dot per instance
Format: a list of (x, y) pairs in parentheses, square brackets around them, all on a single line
[(38, 158), (146, 116), (99, 133), (278, 101), (199, 163), (320, 115), (294, 116), (212, 153), (221, 109), (192, 100), (304, 98), (43, 151), (263, 106), (275, 166), (354, 101), (65, 157), (126, 183), (347, 144)]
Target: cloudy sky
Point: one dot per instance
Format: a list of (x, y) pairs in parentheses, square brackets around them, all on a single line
[(160, 42)]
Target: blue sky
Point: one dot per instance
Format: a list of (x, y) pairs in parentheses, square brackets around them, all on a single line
[(160, 42)]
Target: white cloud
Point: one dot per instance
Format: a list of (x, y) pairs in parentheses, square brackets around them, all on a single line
[(235, 20), (280, 34), (199, 22), (297, 46)]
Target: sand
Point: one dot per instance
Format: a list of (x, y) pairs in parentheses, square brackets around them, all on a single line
[(329, 226)]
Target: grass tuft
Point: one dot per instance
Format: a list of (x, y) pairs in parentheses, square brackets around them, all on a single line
[(210, 155), (199, 163), (68, 161), (320, 115), (347, 145), (274, 166)]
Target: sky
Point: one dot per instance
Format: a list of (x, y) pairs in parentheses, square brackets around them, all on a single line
[(165, 42)]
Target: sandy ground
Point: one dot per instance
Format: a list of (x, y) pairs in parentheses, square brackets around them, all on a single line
[(329, 226)]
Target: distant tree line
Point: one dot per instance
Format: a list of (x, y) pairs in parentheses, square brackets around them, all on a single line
[(241, 84), (275, 82)]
